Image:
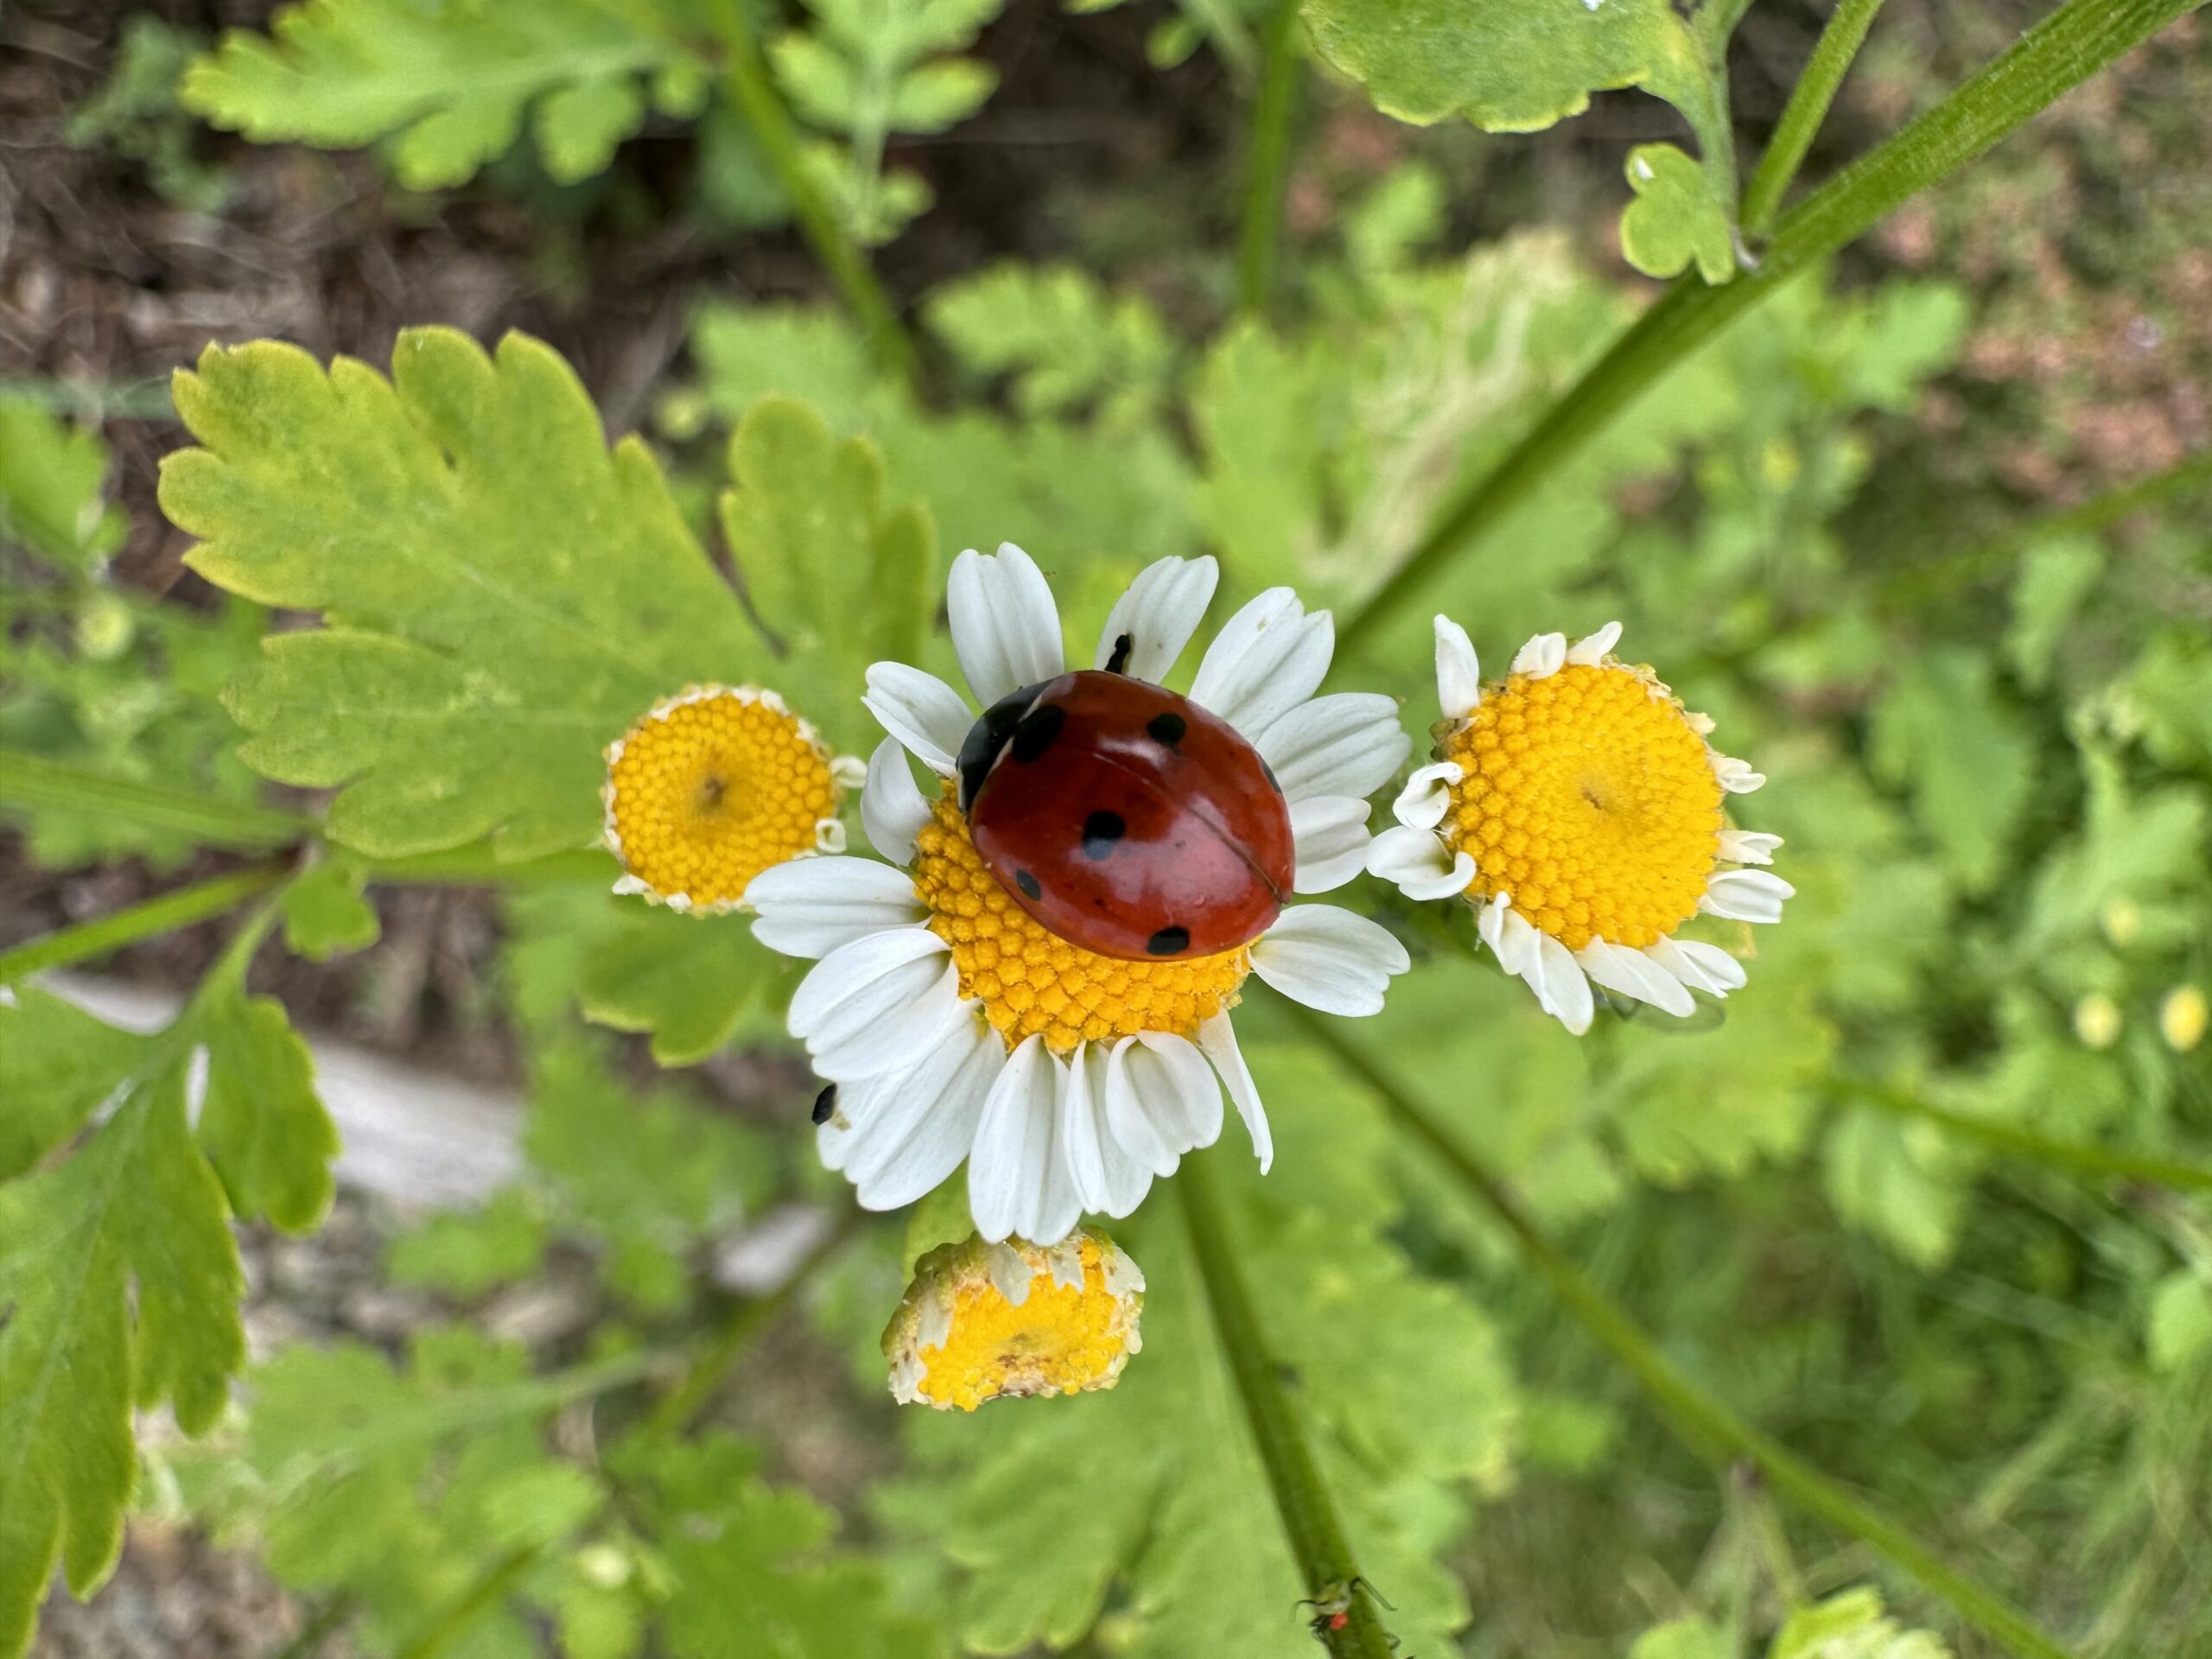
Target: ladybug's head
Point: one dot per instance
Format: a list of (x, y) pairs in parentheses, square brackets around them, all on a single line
[(1001, 724)]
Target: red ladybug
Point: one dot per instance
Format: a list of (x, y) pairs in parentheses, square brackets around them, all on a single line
[(1127, 819)]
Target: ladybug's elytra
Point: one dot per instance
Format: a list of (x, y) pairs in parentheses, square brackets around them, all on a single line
[(1127, 819)]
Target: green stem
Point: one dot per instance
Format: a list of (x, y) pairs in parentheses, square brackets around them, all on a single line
[(1708, 1426), (2065, 49), (1808, 107), (677, 1412), (477, 865), (32, 780), (491, 1587), (2076, 1157), (1309, 1515), (757, 100), (86, 940), (1268, 161)]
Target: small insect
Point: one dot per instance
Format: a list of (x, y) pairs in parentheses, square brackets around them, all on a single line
[(1332, 1608), (825, 1103), (1127, 819)]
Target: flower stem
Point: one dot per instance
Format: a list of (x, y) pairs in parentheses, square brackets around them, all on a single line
[(1309, 1515), (1808, 107), (770, 122), (2060, 52), (215, 897), (30, 780), (1268, 161), (2075, 1157), (1708, 1426)]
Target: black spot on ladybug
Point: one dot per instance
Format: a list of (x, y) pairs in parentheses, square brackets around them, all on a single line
[(825, 1103), (1166, 730), (1118, 662), (1027, 883), (1100, 831), (1273, 783), (1037, 730), (1168, 940)]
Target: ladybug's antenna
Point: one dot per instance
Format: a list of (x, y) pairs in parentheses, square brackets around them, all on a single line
[(1118, 663)]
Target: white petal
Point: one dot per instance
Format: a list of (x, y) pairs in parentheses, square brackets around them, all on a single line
[(1218, 1039), (1518, 945), (1748, 846), (928, 1123), (1164, 1080), (1701, 967), (1632, 974), (1736, 776), (1005, 627), (1347, 744), (1267, 660), (1426, 797), (1419, 864), (893, 810), (1746, 896), (810, 906), (1560, 986), (1542, 656), (1458, 672), (1329, 833), (858, 984), (1160, 613), (921, 711), (1108, 1179), (1591, 650), (1329, 959), (1014, 1142), (866, 1043)]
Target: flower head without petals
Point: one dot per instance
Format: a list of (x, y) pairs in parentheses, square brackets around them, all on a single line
[(1577, 806), (985, 1321)]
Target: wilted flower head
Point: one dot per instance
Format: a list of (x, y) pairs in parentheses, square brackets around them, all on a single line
[(713, 786), (1577, 805), (984, 1321)]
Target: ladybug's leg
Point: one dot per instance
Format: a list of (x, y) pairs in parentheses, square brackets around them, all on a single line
[(1118, 661)]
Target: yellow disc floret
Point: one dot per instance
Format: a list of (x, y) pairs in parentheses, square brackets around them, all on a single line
[(1589, 800), (996, 1321), (711, 788), (1030, 980)]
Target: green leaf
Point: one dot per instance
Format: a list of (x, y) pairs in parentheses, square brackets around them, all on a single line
[(119, 1285), (1944, 732), (512, 594), (51, 481), (1061, 336), (450, 83), (325, 914), (1685, 1638), (841, 578), (1851, 1626), (1899, 1182), (2180, 1324), (2054, 579), (466, 1253), (57, 1066), (1674, 220), (265, 1131)]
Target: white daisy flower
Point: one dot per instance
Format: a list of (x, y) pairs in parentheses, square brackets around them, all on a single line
[(1577, 806), (956, 1026)]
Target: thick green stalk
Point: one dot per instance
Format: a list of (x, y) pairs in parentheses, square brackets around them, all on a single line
[(2075, 1157), (87, 940), (770, 122), (1808, 107), (2065, 49), (1708, 1426), (457, 1618), (32, 780), (1267, 161), (1309, 1513)]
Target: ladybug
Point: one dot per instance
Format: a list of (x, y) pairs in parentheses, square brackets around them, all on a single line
[(1125, 818)]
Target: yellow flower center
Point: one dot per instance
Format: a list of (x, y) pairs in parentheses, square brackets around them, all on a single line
[(1589, 801), (711, 788), (1030, 980), (1061, 1337)]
